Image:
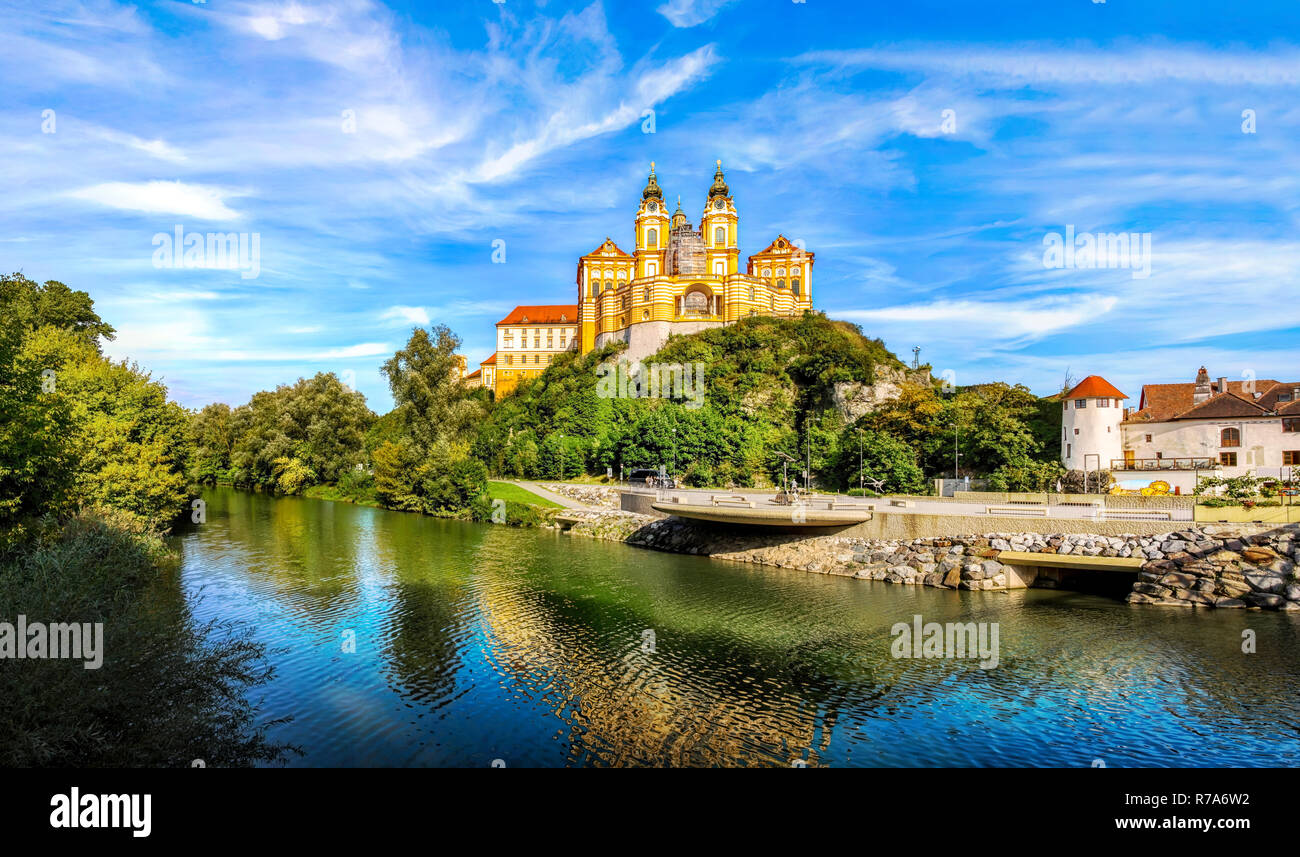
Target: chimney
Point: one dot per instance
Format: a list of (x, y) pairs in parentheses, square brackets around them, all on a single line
[(1223, 385), (1202, 387)]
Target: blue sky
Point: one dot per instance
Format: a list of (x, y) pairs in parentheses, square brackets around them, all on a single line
[(378, 151)]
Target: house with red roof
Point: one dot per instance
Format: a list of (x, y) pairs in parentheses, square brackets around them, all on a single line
[(1177, 432), (529, 339)]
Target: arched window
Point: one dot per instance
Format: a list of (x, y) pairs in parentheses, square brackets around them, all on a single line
[(647, 293), (720, 236), (780, 284), (794, 285), (1230, 437), (751, 293), (645, 315), (592, 286), (652, 238)]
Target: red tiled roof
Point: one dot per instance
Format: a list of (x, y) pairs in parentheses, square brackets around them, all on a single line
[(1224, 406), (1164, 402), (476, 373), (547, 314), (491, 361), (1094, 387)]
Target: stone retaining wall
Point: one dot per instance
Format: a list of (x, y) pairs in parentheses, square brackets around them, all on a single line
[(1234, 566)]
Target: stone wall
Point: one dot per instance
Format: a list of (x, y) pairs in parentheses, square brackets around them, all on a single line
[(1204, 566)]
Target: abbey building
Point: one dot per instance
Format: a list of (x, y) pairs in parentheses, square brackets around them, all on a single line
[(682, 277)]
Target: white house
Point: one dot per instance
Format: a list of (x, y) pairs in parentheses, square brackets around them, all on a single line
[(1180, 431)]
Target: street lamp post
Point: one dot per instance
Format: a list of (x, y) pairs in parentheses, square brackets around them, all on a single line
[(807, 476), (860, 488), (561, 458), (674, 458)]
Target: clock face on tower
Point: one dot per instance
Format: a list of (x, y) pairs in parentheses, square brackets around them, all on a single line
[(719, 205), (652, 207)]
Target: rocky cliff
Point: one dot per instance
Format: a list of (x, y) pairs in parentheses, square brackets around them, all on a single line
[(853, 400)]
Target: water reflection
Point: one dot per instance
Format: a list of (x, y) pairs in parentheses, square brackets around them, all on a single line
[(478, 642)]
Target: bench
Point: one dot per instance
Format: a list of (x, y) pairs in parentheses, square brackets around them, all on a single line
[(1040, 511), (1135, 515), (731, 500), (904, 504), (842, 504)]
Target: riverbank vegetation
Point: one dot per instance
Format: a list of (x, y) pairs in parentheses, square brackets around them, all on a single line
[(92, 475), (766, 404)]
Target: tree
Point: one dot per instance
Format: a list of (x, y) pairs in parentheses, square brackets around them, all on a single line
[(318, 421), (430, 400), (212, 442), (37, 450), (131, 443), (29, 305)]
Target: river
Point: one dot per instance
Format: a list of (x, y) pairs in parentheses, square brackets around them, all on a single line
[(402, 640)]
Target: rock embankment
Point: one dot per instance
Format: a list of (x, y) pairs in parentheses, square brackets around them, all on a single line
[(596, 496), (1198, 567)]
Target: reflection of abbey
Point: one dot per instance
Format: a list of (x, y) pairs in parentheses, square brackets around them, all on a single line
[(682, 277)]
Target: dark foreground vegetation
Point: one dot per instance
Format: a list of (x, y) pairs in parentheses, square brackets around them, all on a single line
[(92, 475)]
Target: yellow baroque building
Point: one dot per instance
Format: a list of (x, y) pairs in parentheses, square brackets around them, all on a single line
[(682, 279)]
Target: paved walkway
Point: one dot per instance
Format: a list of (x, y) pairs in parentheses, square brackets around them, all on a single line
[(925, 507), (536, 488)]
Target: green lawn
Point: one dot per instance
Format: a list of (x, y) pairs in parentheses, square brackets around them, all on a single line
[(507, 491)]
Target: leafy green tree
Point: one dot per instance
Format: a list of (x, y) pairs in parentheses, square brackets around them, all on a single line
[(883, 458), (318, 421), (27, 304), (1027, 475), (131, 442), (431, 403), (211, 442)]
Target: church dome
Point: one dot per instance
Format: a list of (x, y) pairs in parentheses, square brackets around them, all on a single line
[(652, 190), (719, 184), (679, 216)]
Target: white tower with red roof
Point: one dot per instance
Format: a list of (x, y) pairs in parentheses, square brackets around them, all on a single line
[(1091, 437)]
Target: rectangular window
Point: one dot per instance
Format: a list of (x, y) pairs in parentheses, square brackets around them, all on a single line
[(1284, 397), (1065, 406), (1291, 457), (1076, 431), (1103, 403), (1291, 424), (1080, 404), (1068, 447), (1159, 455), (1148, 438), (1228, 459)]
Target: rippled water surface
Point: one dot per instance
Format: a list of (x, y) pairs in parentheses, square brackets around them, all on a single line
[(476, 643)]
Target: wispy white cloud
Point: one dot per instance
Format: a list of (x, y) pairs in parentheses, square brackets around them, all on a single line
[(162, 197), (691, 13), (406, 315), (1043, 63)]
